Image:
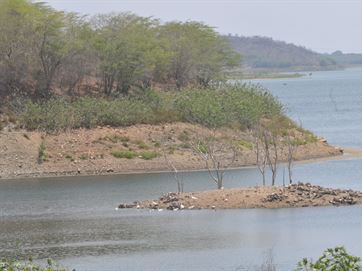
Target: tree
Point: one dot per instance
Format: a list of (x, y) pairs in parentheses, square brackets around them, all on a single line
[(217, 155), (128, 49), (260, 151), (332, 259), (36, 41), (198, 54)]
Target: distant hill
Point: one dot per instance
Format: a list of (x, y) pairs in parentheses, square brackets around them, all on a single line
[(263, 53), (346, 59)]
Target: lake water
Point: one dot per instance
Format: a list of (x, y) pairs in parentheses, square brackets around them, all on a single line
[(74, 220)]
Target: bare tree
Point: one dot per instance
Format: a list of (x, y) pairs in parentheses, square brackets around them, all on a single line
[(267, 148), (217, 155), (260, 152), (292, 148), (171, 166), (271, 150)]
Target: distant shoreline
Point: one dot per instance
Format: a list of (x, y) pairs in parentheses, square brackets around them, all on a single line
[(65, 151), (268, 197)]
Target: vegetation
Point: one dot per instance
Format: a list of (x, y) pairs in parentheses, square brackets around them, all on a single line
[(230, 105), (266, 53), (146, 155), (45, 52), (332, 259), (11, 265), (124, 154), (41, 153)]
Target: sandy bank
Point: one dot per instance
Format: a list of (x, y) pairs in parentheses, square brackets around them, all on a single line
[(89, 152), (295, 195)]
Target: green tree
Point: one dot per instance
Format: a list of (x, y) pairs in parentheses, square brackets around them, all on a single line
[(333, 259), (128, 49), (198, 54)]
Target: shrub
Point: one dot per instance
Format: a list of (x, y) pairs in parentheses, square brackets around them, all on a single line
[(41, 153), (230, 105), (148, 155), (12, 265), (124, 154), (141, 144), (332, 259)]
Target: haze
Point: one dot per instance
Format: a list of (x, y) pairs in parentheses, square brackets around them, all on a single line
[(324, 26)]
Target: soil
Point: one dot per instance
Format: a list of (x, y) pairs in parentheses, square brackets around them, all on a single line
[(89, 151), (295, 195)]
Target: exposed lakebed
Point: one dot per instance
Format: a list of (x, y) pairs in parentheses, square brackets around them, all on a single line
[(74, 219)]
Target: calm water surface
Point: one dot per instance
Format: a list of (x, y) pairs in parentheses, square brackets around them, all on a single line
[(74, 219)]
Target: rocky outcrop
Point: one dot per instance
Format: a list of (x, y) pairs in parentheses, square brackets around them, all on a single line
[(294, 195)]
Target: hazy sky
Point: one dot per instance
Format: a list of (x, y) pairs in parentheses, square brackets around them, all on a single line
[(321, 25)]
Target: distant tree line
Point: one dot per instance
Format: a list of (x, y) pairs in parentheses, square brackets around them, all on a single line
[(45, 52), (266, 53)]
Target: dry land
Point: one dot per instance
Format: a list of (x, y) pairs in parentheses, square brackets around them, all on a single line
[(295, 195), (138, 148)]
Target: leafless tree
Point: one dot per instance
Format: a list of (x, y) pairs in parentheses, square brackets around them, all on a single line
[(271, 150), (217, 155), (259, 149), (292, 148), (171, 166), (267, 147)]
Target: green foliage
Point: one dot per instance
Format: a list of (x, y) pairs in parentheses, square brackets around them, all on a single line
[(44, 51), (333, 259), (148, 155), (12, 265), (197, 53), (231, 105), (140, 144), (41, 153), (124, 154)]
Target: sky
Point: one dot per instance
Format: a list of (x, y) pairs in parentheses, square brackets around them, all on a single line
[(321, 25)]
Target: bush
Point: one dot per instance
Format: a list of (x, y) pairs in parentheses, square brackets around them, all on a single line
[(11, 265), (332, 259), (148, 155), (230, 105), (124, 154), (41, 153)]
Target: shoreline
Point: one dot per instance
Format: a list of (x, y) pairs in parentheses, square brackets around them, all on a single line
[(90, 152), (349, 154), (258, 197)]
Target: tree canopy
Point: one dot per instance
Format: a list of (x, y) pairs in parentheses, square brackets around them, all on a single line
[(44, 52)]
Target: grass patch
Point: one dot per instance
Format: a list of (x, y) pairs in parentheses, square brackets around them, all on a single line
[(12, 265), (245, 144), (42, 153), (124, 154), (225, 106), (148, 155), (141, 144)]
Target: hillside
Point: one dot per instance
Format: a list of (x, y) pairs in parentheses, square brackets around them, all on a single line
[(263, 53)]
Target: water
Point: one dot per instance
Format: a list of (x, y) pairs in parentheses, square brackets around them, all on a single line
[(74, 219)]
